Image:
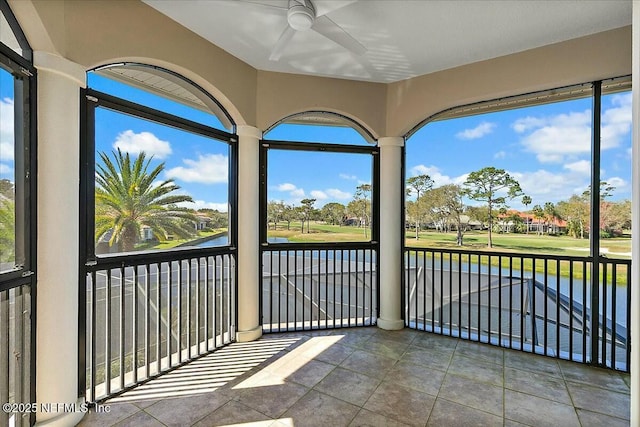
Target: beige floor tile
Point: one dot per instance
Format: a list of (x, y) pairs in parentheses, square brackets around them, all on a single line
[(433, 358), (532, 362), (371, 419), (476, 370), (604, 378), (318, 409), (186, 410), (335, 354), (416, 377), (272, 400), (117, 412), (536, 411), (450, 414), (385, 347), (431, 341), (475, 394), (482, 352), (233, 413), (598, 400), (139, 419), (401, 404), (593, 419), (537, 384), (348, 385), (372, 364)]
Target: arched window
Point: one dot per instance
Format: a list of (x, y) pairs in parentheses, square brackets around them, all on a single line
[(516, 205), (17, 217), (320, 178), (151, 122)]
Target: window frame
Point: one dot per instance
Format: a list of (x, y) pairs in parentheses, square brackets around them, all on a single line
[(90, 100), (25, 140), (373, 151)]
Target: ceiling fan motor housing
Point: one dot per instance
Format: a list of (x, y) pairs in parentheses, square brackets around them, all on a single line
[(300, 17)]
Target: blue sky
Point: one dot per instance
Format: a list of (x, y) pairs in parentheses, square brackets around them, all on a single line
[(546, 148), (6, 126)]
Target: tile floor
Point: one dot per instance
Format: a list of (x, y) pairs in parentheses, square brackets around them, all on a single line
[(371, 377)]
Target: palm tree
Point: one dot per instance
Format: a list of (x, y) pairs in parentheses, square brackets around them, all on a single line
[(128, 197)]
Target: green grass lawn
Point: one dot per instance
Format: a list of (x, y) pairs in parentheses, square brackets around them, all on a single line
[(473, 240), (477, 241)]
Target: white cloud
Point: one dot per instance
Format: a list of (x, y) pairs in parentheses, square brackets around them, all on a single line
[(286, 187), (438, 178), (527, 123), (297, 193), (617, 182), (554, 138), (208, 169), (347, 176), (6, 130), (581, 166), (479, 131), (500, 155), (338, 194), (134, 143), (616, 121), (544, 186), (5, 169), (319, 195), (6, 151)]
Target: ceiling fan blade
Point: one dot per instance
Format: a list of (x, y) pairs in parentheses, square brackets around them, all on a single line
[(278, 4), (323, 7), (334, 32), (286, 35)]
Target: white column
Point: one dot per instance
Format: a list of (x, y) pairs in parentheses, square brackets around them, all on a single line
[(59, 82), (390, 235), (635, 215), (249, 328)]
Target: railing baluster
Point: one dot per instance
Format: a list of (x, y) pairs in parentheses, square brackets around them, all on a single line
[(584, 311), (197, 304), (546, 305), (510, 302), (603, 323), (614, 272), (134, 338), (558, 302), (499, 300), (216, 308), (207, 307), (489, 299), (158, 317), (147, 321), (122, 320), (169, 316), (627, 360), (107, 335), (571, 283), (93, 343), (522, 312)]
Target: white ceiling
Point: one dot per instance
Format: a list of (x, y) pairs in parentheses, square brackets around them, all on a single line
[(403, 38)]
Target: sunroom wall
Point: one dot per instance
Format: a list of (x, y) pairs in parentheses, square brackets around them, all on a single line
[(598, 56)]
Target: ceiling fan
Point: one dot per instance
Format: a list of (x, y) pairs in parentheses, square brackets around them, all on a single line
[(304, 15)]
